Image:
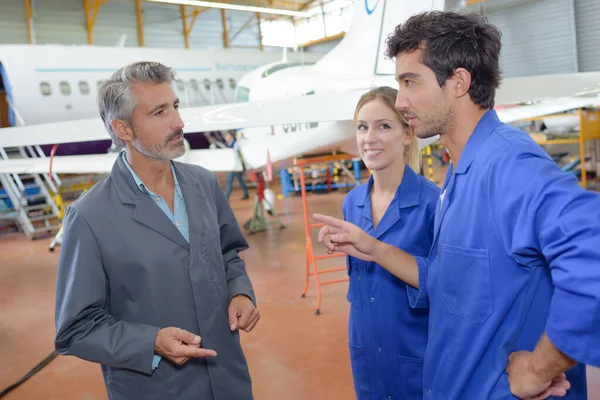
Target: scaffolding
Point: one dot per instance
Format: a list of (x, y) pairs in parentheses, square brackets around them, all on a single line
[(311, 258)]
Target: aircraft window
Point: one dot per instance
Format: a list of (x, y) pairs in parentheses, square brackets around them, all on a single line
[(45, 89), (194, 84), (242, 94), (84, 88), (180, 84), (279, 67), (65, 88), (206, 83), (232, 83), (220, 83)]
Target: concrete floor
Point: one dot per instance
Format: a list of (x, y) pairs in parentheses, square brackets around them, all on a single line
[(292, 353)]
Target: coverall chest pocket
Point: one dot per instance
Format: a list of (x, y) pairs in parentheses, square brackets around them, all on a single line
[(212, 255), (357, 269), (465, 281)]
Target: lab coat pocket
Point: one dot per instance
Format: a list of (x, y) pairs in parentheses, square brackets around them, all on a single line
[(128, 384), (353, 295), (411, 377), (212, 254), (360, 373), (466, 284)]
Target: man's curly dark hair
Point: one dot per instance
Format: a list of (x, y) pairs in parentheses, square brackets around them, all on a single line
[(452, 40)]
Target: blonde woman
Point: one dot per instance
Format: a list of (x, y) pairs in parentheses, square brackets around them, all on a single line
[(387, 337)]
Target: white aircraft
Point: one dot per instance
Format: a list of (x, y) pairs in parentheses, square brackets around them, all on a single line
[(56, 83), (292, 111)]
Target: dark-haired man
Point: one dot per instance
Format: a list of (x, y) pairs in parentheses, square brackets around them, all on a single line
[(513, 277)]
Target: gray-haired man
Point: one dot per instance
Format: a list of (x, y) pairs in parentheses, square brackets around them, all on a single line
[(150, 284)]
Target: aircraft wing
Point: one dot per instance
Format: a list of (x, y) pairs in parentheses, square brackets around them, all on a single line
[(301, 109), (547, 87), (330, 107), (337, 108), (516, 113)]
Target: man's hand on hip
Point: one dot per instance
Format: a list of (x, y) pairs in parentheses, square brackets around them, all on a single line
[(242, 313), (526, 384), (179, 345)]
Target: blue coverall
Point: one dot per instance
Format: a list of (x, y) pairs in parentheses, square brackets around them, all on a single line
[(387, 337), (516, 253)]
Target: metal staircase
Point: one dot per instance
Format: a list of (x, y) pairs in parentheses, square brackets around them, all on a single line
[(32, 207)]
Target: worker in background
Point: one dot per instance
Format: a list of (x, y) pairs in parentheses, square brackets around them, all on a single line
[(232, 144), (150, 284), (387, 337), (513, 278)]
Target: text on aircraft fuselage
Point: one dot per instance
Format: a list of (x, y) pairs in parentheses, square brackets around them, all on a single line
[(287, 128)]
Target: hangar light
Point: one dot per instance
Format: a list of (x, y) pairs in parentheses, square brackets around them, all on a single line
[(210, 4)]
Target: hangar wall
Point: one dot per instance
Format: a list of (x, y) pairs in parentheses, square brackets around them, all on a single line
[(587, 15), (539, 36), (13, 27), (63, 22), (545, 36)]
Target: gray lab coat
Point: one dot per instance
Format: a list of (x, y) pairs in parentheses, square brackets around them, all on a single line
[(125, 271)]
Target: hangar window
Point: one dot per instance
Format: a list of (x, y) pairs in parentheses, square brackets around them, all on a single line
[(220, 83), (194, 84), (65, 88), (232, 83), (45, 89), (99, 83), (206, 83), (84, 88), (180, 84)]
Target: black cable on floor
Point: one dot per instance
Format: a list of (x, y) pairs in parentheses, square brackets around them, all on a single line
[(34, 371)]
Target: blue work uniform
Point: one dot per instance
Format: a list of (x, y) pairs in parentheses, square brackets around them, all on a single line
[(387, 337), (516, 253)]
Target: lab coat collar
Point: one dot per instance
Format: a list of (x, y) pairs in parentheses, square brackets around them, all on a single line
[(482, 131), (146, 212)]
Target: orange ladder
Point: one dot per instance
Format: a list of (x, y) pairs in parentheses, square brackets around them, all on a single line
[(311, 259)]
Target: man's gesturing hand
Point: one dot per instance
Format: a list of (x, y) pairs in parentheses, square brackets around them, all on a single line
[(242, 313), (179, 345), (339, 235)]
